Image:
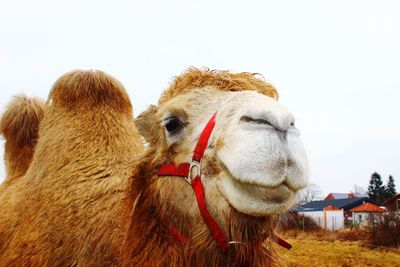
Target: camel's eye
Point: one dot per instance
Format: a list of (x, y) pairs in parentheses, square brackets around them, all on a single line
[(173, 125)]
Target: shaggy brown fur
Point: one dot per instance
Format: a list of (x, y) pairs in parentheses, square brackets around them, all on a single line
[(90, 195), (72, 208), (97, 91), (222, 80), (19, 125)]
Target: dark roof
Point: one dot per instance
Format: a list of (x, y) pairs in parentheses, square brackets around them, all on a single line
[(360, 195), (345, 204)]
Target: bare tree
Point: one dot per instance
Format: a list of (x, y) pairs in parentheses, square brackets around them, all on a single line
[(358, 190), (310, 193)]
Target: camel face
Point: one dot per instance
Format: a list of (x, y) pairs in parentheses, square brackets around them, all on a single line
[(255, 161), (264, 158)]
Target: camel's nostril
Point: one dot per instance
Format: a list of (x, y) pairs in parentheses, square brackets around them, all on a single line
[(254, 120)]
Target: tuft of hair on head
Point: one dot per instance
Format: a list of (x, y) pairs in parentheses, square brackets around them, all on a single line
[(81, 89), (194, 78), (20, 122)]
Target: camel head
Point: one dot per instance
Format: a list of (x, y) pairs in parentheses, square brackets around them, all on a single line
[(255, 162)]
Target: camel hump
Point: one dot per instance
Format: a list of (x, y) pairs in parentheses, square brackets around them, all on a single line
[(90, 89), (19, 125)]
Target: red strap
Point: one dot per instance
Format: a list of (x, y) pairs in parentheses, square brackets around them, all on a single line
[(183, 171), (283, 243), (257, 244), (198, 188), (215, 230), (202, 142), (170, 169), (178, 235)]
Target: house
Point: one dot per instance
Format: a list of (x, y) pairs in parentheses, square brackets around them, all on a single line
[(331, 214), (367, 213), (393, 204), (332, 196), (329, 217)]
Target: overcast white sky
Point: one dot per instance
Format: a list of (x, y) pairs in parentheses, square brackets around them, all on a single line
[(336, 64)]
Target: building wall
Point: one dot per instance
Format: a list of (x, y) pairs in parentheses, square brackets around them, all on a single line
[(394, 203), (330, 219), (363, 218), (335, 219)]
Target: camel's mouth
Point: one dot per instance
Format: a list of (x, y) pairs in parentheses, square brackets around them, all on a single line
[(256, 199)]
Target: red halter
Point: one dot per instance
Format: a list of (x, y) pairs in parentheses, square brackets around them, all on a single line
[(191, 172)]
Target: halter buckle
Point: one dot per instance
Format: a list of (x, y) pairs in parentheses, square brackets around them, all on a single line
[(194, 170)]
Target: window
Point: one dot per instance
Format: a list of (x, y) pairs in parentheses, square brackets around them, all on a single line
[(398, 203), (359, 218)]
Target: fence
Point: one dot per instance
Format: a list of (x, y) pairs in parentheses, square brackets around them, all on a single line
[(381, 233)]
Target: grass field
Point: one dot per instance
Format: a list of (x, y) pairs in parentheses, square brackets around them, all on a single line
[(308, 250)]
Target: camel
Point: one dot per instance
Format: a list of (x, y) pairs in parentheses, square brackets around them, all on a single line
[(200, 179)]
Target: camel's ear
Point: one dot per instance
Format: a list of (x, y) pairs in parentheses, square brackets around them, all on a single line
[(147, 124)]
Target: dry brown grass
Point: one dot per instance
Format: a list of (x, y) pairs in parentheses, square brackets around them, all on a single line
[(322, 248), (331, 236)]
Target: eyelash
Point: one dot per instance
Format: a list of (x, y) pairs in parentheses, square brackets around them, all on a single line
[(173, 125)]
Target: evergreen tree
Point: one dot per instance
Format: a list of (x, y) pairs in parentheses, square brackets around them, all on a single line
[(376, 190), (390, 188)]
